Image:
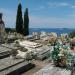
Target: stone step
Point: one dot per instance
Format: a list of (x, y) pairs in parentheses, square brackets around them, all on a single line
[(13, 66)]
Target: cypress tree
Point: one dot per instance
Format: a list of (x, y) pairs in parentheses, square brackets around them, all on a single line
[(19, 20), (26, 23)]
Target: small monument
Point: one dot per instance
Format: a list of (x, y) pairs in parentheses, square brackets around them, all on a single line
[(2, 29)]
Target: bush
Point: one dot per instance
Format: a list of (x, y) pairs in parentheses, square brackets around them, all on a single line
[(72, 34), (9, 30)]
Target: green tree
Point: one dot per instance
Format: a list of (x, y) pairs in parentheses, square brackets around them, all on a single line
[(19, 20), (26, 23), (72, 34)]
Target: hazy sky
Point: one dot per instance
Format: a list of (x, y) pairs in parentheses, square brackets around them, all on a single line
[(42, 13)]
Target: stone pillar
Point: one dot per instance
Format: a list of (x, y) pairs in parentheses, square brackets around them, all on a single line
[(2, 29)]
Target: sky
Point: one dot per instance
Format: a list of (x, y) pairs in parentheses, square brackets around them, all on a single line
[(42, 13)]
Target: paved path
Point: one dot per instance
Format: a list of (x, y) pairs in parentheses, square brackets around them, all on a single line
[(51, 70), (39, 65)]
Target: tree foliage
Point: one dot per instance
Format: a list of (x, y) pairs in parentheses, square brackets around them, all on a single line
[(72, 34), (26, 23), (19, 20)]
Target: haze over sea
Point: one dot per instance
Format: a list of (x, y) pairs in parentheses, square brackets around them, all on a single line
[(56, 30)]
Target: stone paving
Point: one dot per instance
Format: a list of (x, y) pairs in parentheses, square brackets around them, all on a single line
[(51, 70)]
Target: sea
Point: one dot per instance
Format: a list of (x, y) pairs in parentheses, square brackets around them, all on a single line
[(56, 30)]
